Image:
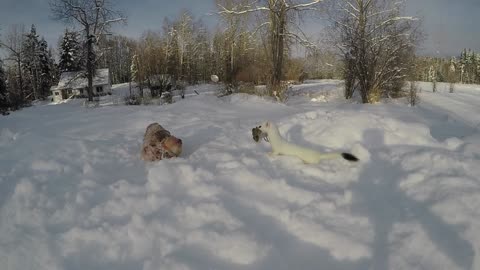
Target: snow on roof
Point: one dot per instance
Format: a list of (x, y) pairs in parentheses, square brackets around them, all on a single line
[(78, 79)]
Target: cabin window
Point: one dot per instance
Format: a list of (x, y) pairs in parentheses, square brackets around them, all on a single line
[(56, 93), (69, 91), (99, 89), (81, 91)]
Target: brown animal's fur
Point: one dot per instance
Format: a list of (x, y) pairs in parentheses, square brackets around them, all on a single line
[(158, 143)]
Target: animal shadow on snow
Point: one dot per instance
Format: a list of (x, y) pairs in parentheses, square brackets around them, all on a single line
[(295, 135), (378, 195)]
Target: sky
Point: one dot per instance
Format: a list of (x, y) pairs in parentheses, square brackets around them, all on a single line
[(450, 25)]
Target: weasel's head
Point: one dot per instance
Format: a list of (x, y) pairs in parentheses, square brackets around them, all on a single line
[(266, 126)]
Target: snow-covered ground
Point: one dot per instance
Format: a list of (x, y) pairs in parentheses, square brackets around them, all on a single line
[(74, 194)]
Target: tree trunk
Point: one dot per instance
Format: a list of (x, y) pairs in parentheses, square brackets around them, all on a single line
[(277, 38), (35, 83), (90, 66), (277, 49), (20, 79)]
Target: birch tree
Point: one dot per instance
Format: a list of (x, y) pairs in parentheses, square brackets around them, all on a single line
[(279, 19), (13, 44), (95, 17), (235, 28), (31, 61), (119, 51), (377, 44), (137, 74)]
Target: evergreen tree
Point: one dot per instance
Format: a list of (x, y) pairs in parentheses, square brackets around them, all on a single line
[(70, 53), (477, 68), (31, 62), (472, 68), (46, 64)]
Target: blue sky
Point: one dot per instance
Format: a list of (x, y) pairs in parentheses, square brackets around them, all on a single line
[(449, 25)]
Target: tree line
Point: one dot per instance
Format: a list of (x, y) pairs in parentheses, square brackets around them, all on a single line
[(369, 43), (462, 69), (32, 69)]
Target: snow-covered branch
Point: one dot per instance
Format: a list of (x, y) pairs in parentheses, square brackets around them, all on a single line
[(241, 11), (304, 5), (303, 41)]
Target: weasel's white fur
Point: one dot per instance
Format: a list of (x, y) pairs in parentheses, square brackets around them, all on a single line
[(281, 147)]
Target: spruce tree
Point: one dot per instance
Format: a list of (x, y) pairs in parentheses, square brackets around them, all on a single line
[(31, 62), (45, 68), (477, 68), (70, 53)]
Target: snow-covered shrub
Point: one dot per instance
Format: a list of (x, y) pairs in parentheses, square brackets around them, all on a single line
[(132, 100), (167, 97), (181, 85), (394, 89), (227, 89), (247, 88), (280, 92)]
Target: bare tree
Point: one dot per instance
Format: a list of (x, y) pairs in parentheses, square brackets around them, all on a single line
[(184, 33), (377, 44), (119, 52), (235, 27), (95, 17), (13, 43), (280, 19)]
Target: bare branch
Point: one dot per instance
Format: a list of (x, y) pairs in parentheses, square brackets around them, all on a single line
[(242, 11), (305, 5)]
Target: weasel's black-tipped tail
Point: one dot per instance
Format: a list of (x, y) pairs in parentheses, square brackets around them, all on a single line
[(349, 157)]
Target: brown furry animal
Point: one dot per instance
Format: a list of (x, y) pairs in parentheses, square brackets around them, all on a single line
[(158, 144)]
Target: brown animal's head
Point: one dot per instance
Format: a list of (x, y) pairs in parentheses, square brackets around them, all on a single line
[(158, 144), (173, 146), (170, 147)]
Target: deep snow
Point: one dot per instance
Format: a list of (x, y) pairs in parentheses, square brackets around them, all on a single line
[(74, 194)]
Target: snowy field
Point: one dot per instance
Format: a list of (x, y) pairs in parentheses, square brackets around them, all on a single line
[(74, 194)]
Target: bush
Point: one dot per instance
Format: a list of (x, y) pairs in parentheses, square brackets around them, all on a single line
[(280, 92), (247, 88), (94, 95), (181, 85), (228, 89), (132, 100), (394, 89), (167, 97)]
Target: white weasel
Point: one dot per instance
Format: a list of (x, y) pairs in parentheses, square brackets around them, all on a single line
[(281, 147)]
